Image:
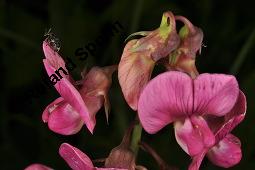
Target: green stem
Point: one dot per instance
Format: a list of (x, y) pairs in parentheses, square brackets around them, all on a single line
[(242, 54), (136, 137), (137, 131)]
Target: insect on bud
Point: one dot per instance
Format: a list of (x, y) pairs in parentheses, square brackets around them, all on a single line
[(52, 40)]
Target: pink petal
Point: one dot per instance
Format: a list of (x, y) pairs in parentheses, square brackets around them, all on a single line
[(49, 108), (72, 96), (54, 59), (165, 98), (226, 153), (239, 109), (37, 166), (76, 159), (64, 119), (233, 118), (193, 135), (215, 94), (197, 160)]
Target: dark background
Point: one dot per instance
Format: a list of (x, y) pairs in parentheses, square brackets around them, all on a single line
[(229, 29)]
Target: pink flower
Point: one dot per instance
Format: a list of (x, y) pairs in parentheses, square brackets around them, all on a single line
[(140, 56), (77, 160), (176, 97), (76, 106), (37, 167), (226, 151)]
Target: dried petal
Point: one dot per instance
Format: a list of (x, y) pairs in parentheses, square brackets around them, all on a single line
[(183, 58), (191, 37), (94, 92)]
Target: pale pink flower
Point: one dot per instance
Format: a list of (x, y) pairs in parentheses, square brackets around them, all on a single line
[(76, 106), (174, 97)]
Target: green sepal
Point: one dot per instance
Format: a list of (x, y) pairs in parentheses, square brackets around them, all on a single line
[(184, 31), (142, 33)]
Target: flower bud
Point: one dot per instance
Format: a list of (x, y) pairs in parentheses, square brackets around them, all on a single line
[(122, 156)]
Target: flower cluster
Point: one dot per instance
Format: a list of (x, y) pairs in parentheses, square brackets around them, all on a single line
[(204, 108)]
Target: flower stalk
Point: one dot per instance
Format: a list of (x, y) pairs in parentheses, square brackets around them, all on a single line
[(136, 138)]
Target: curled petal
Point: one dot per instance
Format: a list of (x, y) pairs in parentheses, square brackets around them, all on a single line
[(37, 166), (64, 119), (50, 108), (166, 98), (159, 42), (215, 94), (239, 109), (167, 39), (191, 38), (75, 158), (193, 135), (226, 153), (233, 118)]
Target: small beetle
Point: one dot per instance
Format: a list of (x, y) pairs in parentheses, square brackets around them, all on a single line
[(53, 41)]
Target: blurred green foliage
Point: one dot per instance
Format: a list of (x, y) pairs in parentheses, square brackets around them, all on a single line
[(228, 28)]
